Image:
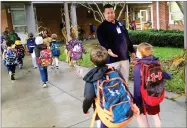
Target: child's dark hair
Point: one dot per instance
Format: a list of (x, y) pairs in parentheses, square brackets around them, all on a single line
[(18, 38), (108, 6), (99, 56), (31, 35), (9, 43)]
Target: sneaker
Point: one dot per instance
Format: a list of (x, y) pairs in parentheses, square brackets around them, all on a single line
[(44, 85), (34, 67), (12, 77), (20, 66), (10, 74)]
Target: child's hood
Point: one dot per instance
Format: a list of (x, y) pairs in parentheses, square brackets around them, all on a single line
[(149, 59), (17, 42), (95, 74)]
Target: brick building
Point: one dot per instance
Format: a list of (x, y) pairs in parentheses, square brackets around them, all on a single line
[(26, 17)]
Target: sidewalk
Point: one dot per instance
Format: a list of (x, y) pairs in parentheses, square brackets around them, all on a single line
[(26, 104)]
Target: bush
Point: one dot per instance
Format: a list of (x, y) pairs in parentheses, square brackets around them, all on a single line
[(163, 38)]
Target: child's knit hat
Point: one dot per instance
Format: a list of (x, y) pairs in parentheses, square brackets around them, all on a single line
[(39, 40)]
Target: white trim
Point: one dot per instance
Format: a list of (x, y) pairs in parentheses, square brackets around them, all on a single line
[(158, 15), (152, 21), (99, 2), (17, 9), (19, 25), (141, 22)]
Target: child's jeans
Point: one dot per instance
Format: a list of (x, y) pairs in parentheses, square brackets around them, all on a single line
[(43, 73), (11, 68)]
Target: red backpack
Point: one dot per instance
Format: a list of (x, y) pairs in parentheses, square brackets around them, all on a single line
[(45, 57), (152, 84)]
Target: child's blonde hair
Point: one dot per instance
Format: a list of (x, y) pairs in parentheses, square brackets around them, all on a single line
[(145, 49), (54, 36)]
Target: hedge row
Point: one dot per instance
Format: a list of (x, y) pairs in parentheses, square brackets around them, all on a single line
[(169, 38)]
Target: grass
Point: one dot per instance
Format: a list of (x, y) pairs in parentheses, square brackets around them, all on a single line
[(165, 54)]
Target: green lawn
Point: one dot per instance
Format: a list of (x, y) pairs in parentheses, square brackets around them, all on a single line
[(164, 53)]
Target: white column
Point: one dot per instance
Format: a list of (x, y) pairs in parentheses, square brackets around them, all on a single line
[(133, 14), (152, 16), (158, 15), (74, 16), (30, 19), (127, 19), (185, 36), (67, 20), (147, 14)]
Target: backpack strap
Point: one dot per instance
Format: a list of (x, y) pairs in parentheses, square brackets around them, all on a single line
[(145, 112), (93, 119)]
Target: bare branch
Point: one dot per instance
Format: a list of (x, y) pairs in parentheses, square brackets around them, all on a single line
[(121, 12), (101, 14), (94, 12), (115, 7)]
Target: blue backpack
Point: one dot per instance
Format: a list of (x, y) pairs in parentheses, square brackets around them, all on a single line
[(55, 48), (11, 57), (114, 100), (31, 44)]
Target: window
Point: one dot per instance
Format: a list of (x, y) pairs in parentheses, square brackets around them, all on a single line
[(175, 13), (19, 19)]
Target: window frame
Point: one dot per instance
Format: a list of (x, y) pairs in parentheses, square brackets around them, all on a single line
[(171, 13), (18, 9)]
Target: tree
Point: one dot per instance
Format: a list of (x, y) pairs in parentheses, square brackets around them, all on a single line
[(97, 13)]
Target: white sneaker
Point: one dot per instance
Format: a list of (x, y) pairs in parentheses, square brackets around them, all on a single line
[(44, 85), (10, 73)]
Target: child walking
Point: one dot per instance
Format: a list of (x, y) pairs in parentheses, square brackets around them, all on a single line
[(148, 83), (55, 49), (20, 52), (114, 93), (44, 59), (75, 47), (10, 59), (31, 45)]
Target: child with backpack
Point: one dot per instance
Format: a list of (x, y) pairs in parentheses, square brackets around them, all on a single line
[(76, 49), (149, 89), (106, 89), (44, 59), (55, 49), (31, 45), (10, 59), (20, 52)]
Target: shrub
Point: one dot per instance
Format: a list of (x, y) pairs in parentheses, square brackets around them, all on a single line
[(170, 38)]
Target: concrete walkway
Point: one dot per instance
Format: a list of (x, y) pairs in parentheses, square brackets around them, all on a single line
[(26, 104)]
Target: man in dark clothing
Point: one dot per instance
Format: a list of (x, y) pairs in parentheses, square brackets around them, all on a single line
[(113, 35)]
